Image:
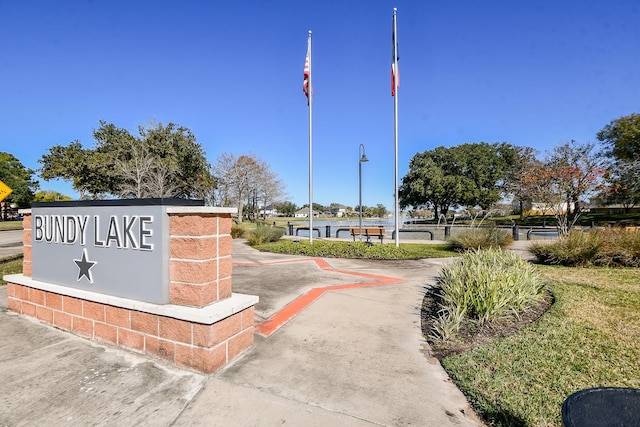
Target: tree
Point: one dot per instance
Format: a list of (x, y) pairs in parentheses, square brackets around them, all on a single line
[(50, 196), (89, 172), (380, 211), (162, 161), (623, 178), (286, 208), (317, 208), (428, 184), (517, 184), (487, 166), (621, 138), (270, 186), (19, 178), (580, 169), (245, 180), (464, 175), (570, 173), (238, 179)]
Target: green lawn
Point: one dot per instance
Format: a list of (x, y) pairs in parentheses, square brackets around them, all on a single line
[(10, 265), (588, 338), (10, 225)]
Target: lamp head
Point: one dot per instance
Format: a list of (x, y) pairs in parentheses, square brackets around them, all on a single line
[(363, 158)]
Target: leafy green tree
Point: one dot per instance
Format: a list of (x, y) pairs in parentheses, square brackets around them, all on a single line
[(286, 208), (621, 138), (487, 166), (88, 172), (50, 196), (431, 182), (161, 161), (380, 211), (317, 208), (464, 175), (19, 178)]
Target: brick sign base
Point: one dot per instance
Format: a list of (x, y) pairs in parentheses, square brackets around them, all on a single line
[(205, 325)]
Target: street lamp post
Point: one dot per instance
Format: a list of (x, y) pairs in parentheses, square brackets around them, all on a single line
[(362, 158)]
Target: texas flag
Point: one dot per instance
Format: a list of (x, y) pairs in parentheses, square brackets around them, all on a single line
[(395, 57)]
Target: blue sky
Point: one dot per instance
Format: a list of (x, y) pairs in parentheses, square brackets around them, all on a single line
[(535, 73)]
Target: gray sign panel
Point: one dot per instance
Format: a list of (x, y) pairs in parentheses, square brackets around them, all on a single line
[(114, 250)]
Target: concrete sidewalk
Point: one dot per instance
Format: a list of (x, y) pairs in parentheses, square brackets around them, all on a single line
[(352, 356)]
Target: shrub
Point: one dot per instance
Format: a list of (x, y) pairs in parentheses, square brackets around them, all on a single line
[(238, 231), (265, 234), (481, 238), (620, 248), (608, 247), (482, 287), (576, 249)]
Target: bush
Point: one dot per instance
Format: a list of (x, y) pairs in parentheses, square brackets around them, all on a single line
[(481, 238), (238, 231), (620, 248), (609, 247), (265, 234), (484, 286)]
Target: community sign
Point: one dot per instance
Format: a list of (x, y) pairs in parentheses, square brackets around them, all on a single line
[(114, 247)]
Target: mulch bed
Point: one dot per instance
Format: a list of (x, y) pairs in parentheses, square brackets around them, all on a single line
[(471, 336)]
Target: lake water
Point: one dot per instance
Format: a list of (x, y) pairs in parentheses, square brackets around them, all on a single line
[(407, 231)]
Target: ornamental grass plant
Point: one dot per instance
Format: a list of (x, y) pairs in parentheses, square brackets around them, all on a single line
[(482, 287), (609, 247), (238, 231), (481, 238), (264, 234)]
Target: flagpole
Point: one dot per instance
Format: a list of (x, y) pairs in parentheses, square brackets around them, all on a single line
[(310, 94), (395, 127)]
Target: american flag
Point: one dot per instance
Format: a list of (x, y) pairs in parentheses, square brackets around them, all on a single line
[(307, 72)]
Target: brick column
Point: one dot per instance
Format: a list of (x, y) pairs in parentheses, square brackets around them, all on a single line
[(26, 242), (200, 248)]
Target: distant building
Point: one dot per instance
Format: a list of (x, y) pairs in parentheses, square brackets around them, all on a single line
[(544, 209), (338, 212), (304, 213), (268, 211), (301, 213)]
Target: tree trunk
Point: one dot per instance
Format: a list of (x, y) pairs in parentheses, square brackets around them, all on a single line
[(521, 209)]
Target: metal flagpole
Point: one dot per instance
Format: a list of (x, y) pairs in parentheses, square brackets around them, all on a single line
[(395, 126), (310, 96)]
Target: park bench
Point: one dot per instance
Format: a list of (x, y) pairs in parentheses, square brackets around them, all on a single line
[(368, 232)]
